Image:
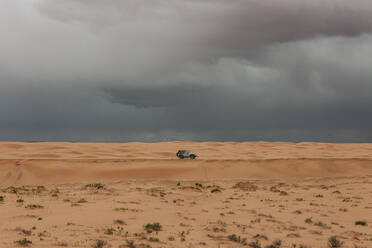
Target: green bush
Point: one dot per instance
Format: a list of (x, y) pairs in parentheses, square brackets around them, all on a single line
[(34, 206), (333, 242), (361, 223), (23, 242), (153, 227)]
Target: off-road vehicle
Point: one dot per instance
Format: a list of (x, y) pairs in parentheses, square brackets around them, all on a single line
[(181, 154)]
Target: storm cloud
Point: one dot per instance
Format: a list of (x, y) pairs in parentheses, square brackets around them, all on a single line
[(173, 70)]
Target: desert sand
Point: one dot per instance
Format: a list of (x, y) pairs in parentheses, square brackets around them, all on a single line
[(251, 194)]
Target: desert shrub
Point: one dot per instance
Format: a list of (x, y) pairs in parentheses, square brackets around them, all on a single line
[(109, 231), (99, 244), (361, 223), (333, 242), (276, 244), (121, 209), (309, 220), (1, 198), (274, 189), (282, 192), (260, 236), (119, 222), (25, 190), (26, 232), (154, 239), (130, 244), (321, 224), (63, 244), (23, 242), (247, 186), (255, 244), (199, 185), (215, 190), (34, 206), (153, 227), (236, 239), (95, 186), (39, 189), (20, 200)]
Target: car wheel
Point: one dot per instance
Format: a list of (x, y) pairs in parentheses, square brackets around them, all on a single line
[(192, 157)]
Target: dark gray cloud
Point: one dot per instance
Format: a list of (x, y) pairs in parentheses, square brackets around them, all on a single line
[(203, 70)]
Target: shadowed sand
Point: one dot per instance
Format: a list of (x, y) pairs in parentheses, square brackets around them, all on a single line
[(233, 194)]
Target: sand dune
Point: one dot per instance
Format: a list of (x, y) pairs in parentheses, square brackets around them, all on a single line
[(39, 163), (253, 194), (167, 150)]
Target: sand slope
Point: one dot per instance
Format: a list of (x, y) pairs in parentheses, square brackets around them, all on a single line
[(39, 163), (167, 150)]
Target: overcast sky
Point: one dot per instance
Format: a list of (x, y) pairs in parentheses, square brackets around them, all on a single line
[(157, 70)]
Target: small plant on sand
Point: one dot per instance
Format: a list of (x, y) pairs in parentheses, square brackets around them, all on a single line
[(119, 222), (246, 186), (171, 238), (215, 191), (99, 244), (333, 242), (260, 236), (34, 206), (62, 244), (121, 209), (26, 232), (234, 238), (153, 227), (255, 244), (154, 239), (237, 239), (1, 198), (321, 224), (360, 223), (199, 185), (282, 192), (23, 242), (95, 186), (276, 244), (309, 220), (130, 244), (109, 231)]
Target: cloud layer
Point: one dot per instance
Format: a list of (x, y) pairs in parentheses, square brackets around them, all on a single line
[(204, 70)]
